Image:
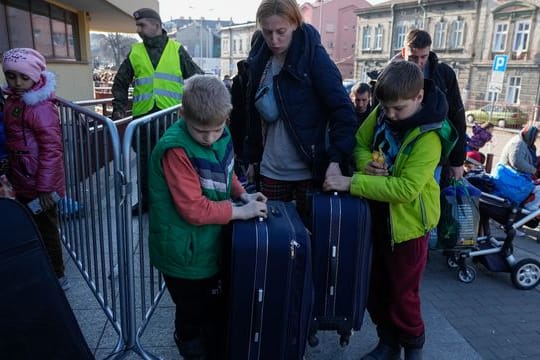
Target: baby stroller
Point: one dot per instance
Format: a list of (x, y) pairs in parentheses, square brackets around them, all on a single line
[(496, 254)]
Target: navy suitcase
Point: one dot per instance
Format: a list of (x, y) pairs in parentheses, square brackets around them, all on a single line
[(341, 245), (36, 319), (271, 289)]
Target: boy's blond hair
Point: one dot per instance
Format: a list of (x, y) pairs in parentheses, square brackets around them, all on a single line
[(400, 80), (206, 100)]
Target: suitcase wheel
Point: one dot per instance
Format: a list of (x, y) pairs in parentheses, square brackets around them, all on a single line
[(313, 340), (344, 340)]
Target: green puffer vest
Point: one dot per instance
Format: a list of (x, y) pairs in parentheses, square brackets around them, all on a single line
[(178, 248)]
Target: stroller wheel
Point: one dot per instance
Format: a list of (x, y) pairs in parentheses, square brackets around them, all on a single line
[(526, 274), (452, 262), (466, 274)]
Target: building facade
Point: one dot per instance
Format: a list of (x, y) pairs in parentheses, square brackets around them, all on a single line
[(336, 22), (467, 35), (60, 30), (235, 46)]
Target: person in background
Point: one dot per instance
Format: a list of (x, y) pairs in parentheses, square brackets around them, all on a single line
[(397, 151), (34, 144), (520, 154), (3, 150), (294, 98), (192, 183), (361, 98), (474, 163), (482, 133), (228, 82), (158, 67), (418, 50)]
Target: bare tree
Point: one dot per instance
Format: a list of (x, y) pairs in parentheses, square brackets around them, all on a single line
[(118, 46)]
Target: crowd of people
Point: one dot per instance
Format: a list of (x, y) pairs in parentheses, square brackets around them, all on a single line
[(295, 129)]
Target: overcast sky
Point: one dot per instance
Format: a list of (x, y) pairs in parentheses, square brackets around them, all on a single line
[(239, 10)]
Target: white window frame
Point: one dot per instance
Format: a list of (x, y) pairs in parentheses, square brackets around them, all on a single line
[(439, 38), (366, 37), (225, 46), (378, 37), (500, 35), (401, 33), (513, 89), (457, 34), (491, 96), (521, 36)]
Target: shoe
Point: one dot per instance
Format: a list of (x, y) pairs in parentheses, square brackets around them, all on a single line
[(414, 354), (191, 349), (383, 352), (64, 283), (520, 233), (135, 209)]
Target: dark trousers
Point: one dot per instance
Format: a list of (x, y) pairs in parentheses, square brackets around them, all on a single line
[(148, 138), (394, 298), (200, 311), (47, 223), (299, 191)]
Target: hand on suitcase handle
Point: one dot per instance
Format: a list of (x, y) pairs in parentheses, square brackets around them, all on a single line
[(250, 210)]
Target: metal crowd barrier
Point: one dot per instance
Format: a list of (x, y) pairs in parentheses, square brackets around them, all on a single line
[(89, 213), (139, 138), (107, 244)]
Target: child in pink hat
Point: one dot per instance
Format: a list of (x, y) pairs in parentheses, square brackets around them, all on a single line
[(34, 143)]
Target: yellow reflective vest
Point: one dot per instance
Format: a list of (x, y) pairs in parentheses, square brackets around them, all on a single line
[(162, 86)]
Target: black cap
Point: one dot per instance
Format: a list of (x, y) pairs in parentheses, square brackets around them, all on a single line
[(146, 13)]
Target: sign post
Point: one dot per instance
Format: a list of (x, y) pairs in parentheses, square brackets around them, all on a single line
[(497, 73), (497, 78)]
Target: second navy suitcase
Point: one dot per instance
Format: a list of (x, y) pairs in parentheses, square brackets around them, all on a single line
[(36, 319), (270, 286), (341, 245)]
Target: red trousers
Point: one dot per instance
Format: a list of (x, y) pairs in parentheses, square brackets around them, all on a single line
[(394, 298)]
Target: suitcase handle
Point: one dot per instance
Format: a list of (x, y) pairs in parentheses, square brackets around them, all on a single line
[(258, 315), (333, 271)]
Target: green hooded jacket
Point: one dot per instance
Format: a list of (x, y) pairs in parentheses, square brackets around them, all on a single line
[(411, 190)]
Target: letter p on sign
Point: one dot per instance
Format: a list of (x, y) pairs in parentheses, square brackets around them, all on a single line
[(499, 63)]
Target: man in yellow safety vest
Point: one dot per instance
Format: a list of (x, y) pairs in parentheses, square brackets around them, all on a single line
[(157, 67)]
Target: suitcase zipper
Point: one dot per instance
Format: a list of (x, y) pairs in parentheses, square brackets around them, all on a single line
[(293, 246)]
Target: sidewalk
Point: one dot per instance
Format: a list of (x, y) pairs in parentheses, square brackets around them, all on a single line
[(487, 319)]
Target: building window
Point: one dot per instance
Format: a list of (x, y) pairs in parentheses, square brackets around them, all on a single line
[(401, 32), (456, 34), (366, 37), (240, 43), (330, 28), (378, 37), (513, 90), (491, 96), (225, 46), (521, 38), (50, 29), (439, 37), (234, 46), (499, 38)]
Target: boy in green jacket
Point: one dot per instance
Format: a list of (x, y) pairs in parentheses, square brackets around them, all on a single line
[(398, 148), (191, 186)]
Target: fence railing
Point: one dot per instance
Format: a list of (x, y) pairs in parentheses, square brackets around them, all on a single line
[(104, 160)]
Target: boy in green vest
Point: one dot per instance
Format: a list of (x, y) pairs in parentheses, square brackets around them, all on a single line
[(191, 186)]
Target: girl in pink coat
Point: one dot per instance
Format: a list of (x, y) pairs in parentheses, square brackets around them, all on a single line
[(34, 143)]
